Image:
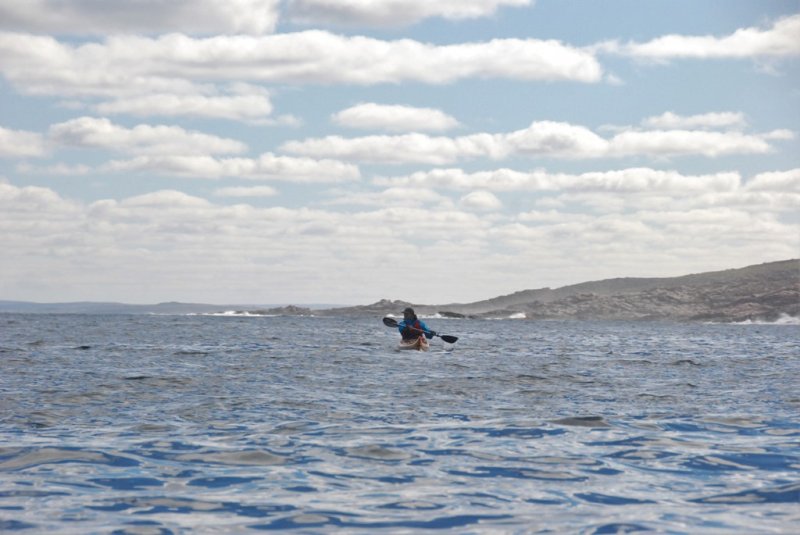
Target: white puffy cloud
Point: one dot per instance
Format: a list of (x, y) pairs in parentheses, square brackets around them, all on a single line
[(147, 248), (669, 120), (635, 242), (247, 191), (172, 63), (392, 197), (79, 17), (94, 132), (372, 116), (390, 13), (21, 144), (541, 139), (556, 139), (181, 75), (496, 180), (667, 143), (22, 200), (776, 181), (171, 199), (631, 180), (480, 200), (407, 148), (780, 40), (266, 167), (244, 103)]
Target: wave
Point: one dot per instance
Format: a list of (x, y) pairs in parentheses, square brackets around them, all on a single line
[(433, 316), (246, 314), (232, 313), (784, 319)]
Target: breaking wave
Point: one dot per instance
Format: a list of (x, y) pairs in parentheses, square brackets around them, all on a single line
[(784, 319)]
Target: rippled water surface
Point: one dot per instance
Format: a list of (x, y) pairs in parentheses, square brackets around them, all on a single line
[(165, 424)]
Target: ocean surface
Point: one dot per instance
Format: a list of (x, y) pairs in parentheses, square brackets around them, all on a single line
[(175, 424)]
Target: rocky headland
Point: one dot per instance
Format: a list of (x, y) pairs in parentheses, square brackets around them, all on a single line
[(765, 292)]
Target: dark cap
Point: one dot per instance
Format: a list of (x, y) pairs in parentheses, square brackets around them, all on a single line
[(408, 310)]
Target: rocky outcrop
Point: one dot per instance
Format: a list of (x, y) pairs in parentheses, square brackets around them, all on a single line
[(763, 292), (289, 310)]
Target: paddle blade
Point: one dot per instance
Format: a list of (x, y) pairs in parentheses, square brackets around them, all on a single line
[(449, 339), (389, 322)]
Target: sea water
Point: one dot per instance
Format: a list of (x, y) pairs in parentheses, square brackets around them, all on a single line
[(171, 424)]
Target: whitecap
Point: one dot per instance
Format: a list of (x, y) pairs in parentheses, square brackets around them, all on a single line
[(784, 319)]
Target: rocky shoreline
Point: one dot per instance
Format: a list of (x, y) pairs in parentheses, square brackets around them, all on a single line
[(765, 292)]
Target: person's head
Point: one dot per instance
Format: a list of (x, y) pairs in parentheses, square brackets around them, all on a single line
[(408, 314)]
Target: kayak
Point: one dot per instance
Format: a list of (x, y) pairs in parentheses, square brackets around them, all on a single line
[(418, 344)]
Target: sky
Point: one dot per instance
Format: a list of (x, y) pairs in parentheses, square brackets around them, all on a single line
[(346, 151)]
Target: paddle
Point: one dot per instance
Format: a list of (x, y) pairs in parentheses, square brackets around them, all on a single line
[(389, 322)]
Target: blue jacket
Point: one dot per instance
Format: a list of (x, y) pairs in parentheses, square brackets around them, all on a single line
[(406, 333)]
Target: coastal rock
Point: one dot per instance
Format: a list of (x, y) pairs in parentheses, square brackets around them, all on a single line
[(290, 310), (764, 292)]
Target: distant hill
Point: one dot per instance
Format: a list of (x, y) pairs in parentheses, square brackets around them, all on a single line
[(90, 307), (760, 292), (764, 291)]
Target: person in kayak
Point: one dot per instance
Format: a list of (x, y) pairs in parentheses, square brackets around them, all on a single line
[(412, 327)]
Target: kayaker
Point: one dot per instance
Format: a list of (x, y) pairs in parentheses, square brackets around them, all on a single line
[(412, 327)]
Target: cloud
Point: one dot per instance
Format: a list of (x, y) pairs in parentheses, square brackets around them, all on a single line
[(407, 148), (669, 120), (251, 191), (631, 180), (555, 139), (780, 40), (152, 244), (170, 199), (392, 197), (481, 200), (21, 144), (667, 143), (28, 199), (266, 167), (137, 65), (80, 17), (541, 139), (638, 239), (392, 13), (148, 247), (246, 103), (92, 132), (776, 181), (371, 116), (59, 169), (586, 218)]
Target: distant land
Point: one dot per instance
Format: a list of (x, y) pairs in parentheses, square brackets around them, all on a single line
[(763, 292), (92, 307)]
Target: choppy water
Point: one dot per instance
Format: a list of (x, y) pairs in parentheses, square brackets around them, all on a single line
[(168, 424)]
